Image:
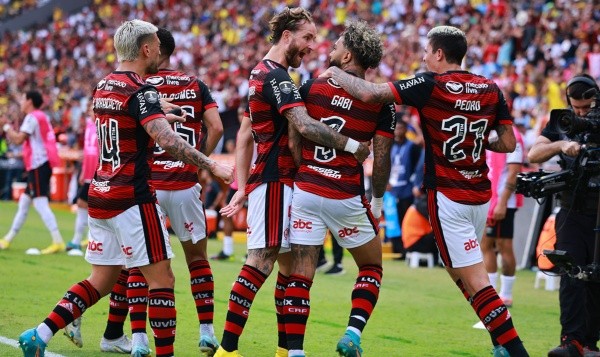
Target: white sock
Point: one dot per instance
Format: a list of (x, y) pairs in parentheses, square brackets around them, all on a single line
[(139, 338), (493, 279), (354, 329), (207, 330), (506, 287), (20, 216), (295, 352), (43, 208), (80, 223), (228, 245), (44, 332)]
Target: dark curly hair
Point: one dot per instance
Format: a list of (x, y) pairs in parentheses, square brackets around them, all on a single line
[(288, 19), (364, 43)]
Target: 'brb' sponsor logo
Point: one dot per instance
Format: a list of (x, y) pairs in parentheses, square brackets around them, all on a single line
[(471, 244), (345, 232), (300, 224)]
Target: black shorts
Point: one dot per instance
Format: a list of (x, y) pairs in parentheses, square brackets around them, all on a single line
[(505, 228), (82, 194), (38, 181)]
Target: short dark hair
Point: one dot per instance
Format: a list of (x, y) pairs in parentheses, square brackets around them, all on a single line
[(36, 98), (582, 86), (451, 40), (364, 43), (167, 41), (288, 19)]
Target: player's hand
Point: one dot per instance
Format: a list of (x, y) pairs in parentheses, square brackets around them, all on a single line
[(571, 148), (328, 72), (174, 118), (363, 152), (222, 171), (235, 205)]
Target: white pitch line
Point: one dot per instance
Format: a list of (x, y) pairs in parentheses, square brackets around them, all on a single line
[(15, 343)]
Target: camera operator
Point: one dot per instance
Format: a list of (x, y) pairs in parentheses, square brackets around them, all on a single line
[(575, 223)]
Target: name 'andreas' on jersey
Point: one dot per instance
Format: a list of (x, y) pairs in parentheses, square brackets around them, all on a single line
[(271, 92), (333, 173), (458, 109)]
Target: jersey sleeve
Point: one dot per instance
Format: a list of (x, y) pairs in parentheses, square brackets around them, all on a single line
[(207, 99), (29, 124), (386, 122), (144, 105), (280, 91), (305, 88), (413, 91), (503, 113)]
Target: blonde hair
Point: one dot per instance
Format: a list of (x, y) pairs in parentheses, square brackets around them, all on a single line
[(129, 38)]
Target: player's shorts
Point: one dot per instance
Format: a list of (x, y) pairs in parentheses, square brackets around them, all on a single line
[(269, 216), (82, 194), (458, 229), (349, 220), (185, 211), (505, 228), (134, 238), (38, 181)]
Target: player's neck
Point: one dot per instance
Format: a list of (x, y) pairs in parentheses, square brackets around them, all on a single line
[(447, 67), (354, 70), (128, 66), (277, 54)]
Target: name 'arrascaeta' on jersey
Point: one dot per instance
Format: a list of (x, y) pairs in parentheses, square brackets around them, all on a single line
[(458, 109), (122, 103)]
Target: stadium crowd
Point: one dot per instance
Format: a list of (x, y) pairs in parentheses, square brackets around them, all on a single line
[(521, 44)]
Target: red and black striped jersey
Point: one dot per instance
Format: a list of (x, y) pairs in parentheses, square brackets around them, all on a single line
[(122, 104), (332, 173), (458, 110), (194, 97), (271, 92)]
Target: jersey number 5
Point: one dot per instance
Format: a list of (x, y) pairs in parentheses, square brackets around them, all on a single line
[(458, 125), (326, 154)]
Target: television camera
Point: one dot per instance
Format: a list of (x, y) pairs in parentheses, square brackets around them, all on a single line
[(583, 174)]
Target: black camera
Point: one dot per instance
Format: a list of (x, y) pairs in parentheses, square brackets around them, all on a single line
[(578, 178)]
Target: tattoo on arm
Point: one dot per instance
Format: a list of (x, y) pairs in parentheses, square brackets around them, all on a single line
[(364, 90), (499, 145), (381, 164), (314, 130), (171, 142)]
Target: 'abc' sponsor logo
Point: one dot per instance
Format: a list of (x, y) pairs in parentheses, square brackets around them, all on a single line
[(346, 232), (94, 246), (471, 244), (300, 224)]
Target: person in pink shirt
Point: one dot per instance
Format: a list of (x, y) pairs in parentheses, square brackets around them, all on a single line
[(498, 236), (40, 155)]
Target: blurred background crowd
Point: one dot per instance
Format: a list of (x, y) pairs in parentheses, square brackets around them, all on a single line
[(530, 48)]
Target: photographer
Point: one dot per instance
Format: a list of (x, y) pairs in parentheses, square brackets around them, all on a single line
[(575, 223)]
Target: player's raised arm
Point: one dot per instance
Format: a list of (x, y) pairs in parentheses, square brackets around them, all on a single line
[(359, 88)]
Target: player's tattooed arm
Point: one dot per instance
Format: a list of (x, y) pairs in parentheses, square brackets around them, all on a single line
[(321, 133), (505, 142), (295, 144), (160, 130), (381, 163), (359, 88)]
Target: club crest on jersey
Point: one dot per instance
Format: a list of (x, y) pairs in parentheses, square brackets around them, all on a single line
[(454, 87), (333, 83), (151, 96), (155, 80), (286, 87)]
